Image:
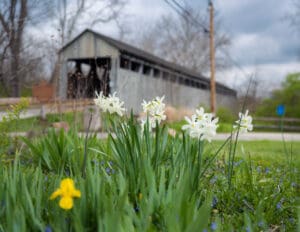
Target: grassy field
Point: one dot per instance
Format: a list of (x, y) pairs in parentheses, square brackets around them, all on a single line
[(144, 180), (37, 124), (150, 182), (272, 151)]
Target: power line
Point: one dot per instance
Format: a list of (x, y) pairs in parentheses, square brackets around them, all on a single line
[(177, 11), (185, 14), (190, 15)]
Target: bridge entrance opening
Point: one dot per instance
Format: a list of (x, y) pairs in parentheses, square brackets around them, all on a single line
[(86, 76)]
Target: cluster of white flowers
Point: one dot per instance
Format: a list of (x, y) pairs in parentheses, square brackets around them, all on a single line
[(244, 123), (155, 111), (201, 125), (111, 104)]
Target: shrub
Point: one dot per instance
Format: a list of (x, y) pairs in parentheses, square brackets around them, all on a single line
[(9, 121), (288, 95), (225, 115)]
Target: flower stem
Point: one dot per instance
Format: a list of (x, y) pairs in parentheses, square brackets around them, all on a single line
[(85, 146)]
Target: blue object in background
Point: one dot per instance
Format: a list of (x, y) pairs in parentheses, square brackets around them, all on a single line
[(280, 110)]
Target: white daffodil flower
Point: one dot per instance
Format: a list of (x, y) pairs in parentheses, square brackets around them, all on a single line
[(159, 116), (158, 102), (244, 123), (192, 127), (201, 125), (146, 106), (99, 100), (155, 111), (210, 129), (111, 104), (200, 114), (191, 123)]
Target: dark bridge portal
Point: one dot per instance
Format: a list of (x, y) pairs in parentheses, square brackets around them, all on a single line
[(96, 80)]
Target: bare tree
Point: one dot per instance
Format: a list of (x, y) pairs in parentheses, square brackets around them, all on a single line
[(73, 15), (85, 12), (17, 59), (13, 15), (4, 45), (180, 40)]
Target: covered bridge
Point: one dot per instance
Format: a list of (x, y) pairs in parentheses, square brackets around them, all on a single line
[(94, 62)]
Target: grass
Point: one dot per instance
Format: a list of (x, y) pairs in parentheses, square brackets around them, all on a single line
[(266, 153), (147, 181), (265, 148), (37, 124)]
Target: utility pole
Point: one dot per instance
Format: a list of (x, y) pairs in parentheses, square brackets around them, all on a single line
[(212, 59)]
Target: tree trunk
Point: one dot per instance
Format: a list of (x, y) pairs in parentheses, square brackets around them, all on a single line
[(13, 20), (15, 74), (15, 44)]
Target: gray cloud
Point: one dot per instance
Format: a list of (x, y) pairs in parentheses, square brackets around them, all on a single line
[(259, 32), (250, 16)]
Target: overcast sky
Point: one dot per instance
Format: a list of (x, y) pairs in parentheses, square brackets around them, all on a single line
[(262, 40)]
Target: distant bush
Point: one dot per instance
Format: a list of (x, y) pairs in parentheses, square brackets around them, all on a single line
[(177, 125), (225, 115), (288, 95), (25, 92), (10, 121), (224, 128)]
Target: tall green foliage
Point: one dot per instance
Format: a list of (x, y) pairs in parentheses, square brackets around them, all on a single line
[(9, 121), (145, 180), (288, 95)]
